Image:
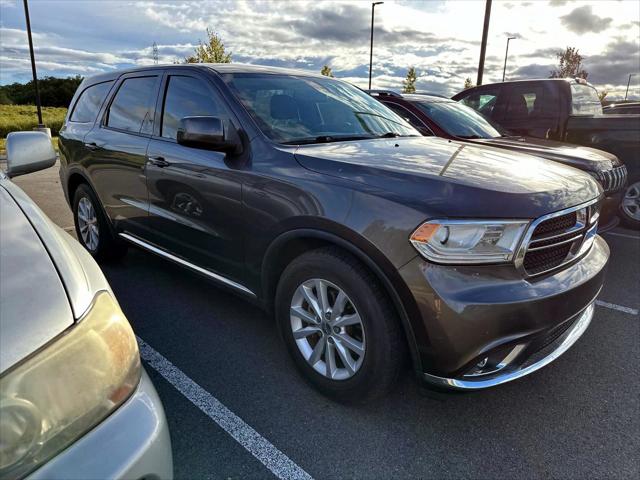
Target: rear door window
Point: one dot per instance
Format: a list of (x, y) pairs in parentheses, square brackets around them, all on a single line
[(132, 108), (88, 105), (186, 97), (524, 101)]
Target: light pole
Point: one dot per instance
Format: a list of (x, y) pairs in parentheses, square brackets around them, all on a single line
[(373, 10), (506, 53), (625, 93), (33, 65), (483, 46)]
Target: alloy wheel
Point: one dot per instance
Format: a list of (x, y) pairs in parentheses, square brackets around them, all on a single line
[(327, 329), (88, 224), (631, 201)]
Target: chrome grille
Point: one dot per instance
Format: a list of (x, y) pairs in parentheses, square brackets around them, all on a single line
[(612, 180), (558, 238)]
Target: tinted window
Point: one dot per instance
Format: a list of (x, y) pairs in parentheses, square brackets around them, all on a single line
[(408, 116), (585, 100), (524, 101), (132, 108), (186, 97), (88, 105), (458, 120), (301, 109)]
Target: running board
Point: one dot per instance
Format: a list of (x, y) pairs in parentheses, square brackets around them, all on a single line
[(184, 263)]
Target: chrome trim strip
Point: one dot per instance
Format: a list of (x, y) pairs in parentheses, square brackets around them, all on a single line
[(569, 339), (572, 239), (524, 244), (184, 263)]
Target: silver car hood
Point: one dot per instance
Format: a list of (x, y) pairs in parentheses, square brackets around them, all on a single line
[(33, 303), (47, 280)]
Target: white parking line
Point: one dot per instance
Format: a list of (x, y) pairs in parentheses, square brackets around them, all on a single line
[(620, 308), (272, 458), (622, 235)]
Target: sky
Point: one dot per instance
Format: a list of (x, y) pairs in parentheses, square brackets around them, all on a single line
[(440, 38)]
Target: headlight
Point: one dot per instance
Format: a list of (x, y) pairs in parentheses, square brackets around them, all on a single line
[(468, 241), (68, 387)]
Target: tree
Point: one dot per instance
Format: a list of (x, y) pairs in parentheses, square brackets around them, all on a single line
[(602, 95), (212, 51), (468, 83), (409, 83), (569, 65), (326, 71)]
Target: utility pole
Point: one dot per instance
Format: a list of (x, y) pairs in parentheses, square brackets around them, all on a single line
[(483, 46), (155, 53), (373, 9), (506, 53), (628, 83), (33, 65)]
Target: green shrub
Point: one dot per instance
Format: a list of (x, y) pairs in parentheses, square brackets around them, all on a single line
[(15, 118)]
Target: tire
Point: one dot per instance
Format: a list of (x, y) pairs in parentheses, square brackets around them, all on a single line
[(630, 206), (92, 228), (361, 378)]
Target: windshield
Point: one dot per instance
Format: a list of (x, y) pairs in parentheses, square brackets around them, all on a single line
[(299, 109), (458, 120), (585, 100)]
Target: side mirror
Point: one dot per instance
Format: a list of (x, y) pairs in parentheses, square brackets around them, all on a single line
[(29, 152), (209, 133)]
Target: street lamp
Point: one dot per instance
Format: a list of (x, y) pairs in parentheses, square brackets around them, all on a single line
[(506, 53), (373, 10), (625, 93), (33, 65)]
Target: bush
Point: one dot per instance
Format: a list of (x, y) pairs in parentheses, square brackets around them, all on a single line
[(15, 118)]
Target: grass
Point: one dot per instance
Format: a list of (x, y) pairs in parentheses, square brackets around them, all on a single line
[(15, 118), (24, 117)]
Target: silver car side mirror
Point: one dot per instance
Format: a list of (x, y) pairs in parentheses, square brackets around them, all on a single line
[(29, 152)]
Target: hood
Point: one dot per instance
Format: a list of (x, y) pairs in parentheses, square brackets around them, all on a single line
[(34, 307), (457, 179), (584, 158)]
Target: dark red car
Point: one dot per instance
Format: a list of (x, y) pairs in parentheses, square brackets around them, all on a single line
[(434, 115)]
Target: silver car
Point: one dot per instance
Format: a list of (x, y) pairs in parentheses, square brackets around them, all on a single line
[(75, 401)]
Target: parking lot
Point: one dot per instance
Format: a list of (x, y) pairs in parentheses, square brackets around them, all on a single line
[(237, 408)]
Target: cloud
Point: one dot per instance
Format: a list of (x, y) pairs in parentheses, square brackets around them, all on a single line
[(582, 20), (557, 3)]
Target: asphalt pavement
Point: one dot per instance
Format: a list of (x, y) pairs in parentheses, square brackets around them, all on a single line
[(237, 408)]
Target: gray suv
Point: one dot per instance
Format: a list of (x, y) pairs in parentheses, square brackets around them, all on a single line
[(368, 241)]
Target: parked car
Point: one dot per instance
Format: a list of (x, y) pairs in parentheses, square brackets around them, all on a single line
[(304, 194), (443, 117), (622, 108), (74, 399), (567, 110)]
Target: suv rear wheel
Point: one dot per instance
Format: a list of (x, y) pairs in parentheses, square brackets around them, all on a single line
[(339, 326), (92, 228)]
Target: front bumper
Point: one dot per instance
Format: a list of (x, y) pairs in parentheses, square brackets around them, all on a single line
[(516, 369), (132, 443), (473, 313)]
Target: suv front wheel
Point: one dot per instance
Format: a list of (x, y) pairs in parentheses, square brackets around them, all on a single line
[(92, 229), (339, 326)]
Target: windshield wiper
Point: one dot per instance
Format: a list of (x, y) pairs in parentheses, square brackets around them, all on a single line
[(327, 139)]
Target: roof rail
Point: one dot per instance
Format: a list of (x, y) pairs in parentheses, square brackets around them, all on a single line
[(390, 93)]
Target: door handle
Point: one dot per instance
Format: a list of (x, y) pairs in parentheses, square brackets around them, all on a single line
[(92, 146), (158, 161)]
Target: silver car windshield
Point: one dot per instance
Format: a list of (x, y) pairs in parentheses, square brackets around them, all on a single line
[(299, 109)]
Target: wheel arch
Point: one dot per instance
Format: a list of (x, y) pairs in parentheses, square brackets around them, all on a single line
[(291, 244)]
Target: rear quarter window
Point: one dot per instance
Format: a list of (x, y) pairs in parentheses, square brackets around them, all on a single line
[(88, 105), (585, 100)]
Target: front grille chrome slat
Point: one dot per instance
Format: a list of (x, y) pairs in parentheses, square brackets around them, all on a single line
[(614, 179), (557, 239)]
